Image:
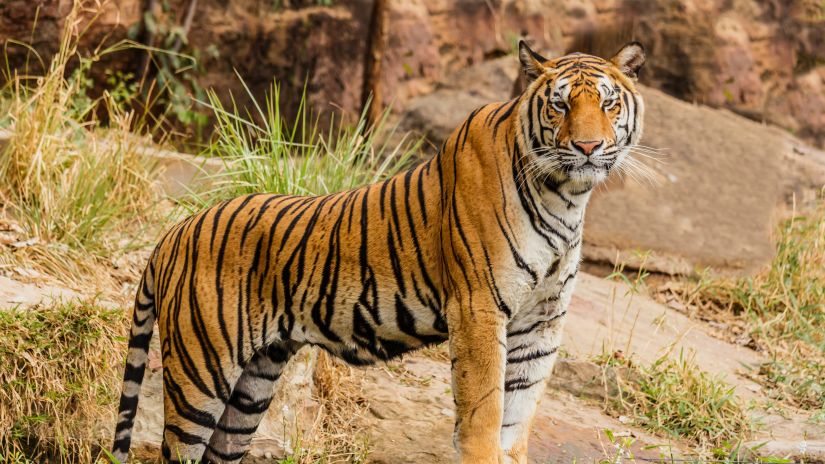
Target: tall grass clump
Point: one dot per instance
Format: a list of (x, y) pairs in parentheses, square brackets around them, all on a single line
[(264, 151), (69, 182), (59, 380), (783, 308)]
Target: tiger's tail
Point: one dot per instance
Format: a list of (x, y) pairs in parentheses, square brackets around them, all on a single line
[(141, 334)]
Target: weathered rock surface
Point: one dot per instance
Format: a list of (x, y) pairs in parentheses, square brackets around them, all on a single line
[(437, 114), (25, 295)]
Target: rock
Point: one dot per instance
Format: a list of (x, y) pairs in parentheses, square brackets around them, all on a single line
[(434, 116), (797, 451), (723, 185), (607, 316), (585, 379), (437, 114), (14, 294), (492, 79)]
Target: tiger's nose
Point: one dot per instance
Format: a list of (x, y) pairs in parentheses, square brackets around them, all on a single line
[(587, 147)]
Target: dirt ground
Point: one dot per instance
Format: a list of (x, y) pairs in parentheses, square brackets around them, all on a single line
[(410, 414), (410, 418)]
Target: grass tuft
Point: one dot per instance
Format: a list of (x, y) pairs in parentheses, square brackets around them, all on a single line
[(71, 183), (676, 398), (59, 380)]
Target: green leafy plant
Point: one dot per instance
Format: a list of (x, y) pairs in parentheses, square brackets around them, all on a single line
[(676, 398), (175, 69)]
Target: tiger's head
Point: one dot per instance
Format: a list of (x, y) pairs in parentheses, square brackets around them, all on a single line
[(580, 114)]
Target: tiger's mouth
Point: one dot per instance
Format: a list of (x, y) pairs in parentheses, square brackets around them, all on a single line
[(562, 165), (588, 171)]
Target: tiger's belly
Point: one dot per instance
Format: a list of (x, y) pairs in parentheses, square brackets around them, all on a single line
[(363, 327)]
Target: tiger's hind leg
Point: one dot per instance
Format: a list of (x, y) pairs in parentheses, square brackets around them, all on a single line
[(191, 411), (248, 404)]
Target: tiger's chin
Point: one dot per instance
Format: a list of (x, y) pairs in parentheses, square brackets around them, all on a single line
[(587, 176)]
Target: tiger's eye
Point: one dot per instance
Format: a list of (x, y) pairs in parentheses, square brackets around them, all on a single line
[(559, 106)]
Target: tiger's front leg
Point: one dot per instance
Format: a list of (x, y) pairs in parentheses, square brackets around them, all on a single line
[(533, 340), (477, 350)]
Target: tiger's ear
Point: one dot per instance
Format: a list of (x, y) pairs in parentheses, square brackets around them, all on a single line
[(630, 59), (531, 62)]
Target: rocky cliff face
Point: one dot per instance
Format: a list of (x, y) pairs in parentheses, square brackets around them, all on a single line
[(764, 59)]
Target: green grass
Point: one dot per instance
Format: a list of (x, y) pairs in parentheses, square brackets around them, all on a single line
[(620, 450), (262, 151), (675, 398), (59, 380), (783, 308)]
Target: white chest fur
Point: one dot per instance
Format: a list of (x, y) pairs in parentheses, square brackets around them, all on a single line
[(551, 253)]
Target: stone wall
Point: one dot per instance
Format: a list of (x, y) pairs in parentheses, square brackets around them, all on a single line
[(763, 59)]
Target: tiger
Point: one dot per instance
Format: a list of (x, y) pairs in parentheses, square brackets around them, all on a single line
[(479, 246)]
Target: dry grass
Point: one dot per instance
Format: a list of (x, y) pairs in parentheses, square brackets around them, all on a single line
[(780, 311), (334, 436), (439, 352), (59, 380), (72, 184)]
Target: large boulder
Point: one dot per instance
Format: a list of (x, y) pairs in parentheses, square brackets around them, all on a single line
[(722, 182), (436, 114)]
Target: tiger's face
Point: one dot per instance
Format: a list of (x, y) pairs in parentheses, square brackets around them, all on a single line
[(581, 114)]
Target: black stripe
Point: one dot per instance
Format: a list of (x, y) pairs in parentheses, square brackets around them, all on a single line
[(227, 456), (183, 436), (531, 356), (519, 383), (535, 325)]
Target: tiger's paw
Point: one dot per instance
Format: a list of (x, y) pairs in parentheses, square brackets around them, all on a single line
[(514, 457), (484, 458)]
